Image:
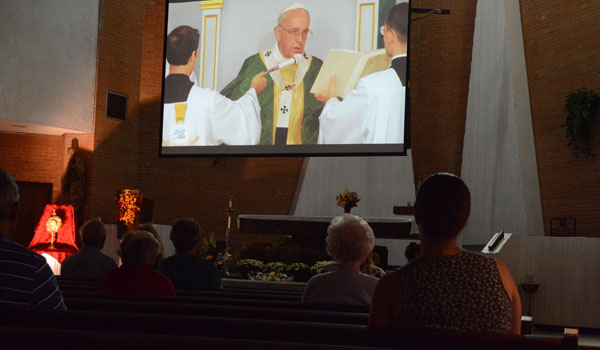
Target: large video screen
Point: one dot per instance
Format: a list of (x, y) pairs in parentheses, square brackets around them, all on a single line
[(283, 78)]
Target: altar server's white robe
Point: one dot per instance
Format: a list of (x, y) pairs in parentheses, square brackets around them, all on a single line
[(371, 113), (213, 119)]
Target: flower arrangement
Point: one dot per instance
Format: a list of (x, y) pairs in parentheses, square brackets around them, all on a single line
[(319, 265), (347, 200), (277, 267), (127, 206), (270, 276), (249, 266), (301, 271)]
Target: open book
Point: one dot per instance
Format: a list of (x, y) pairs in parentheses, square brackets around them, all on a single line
[(348, 66)]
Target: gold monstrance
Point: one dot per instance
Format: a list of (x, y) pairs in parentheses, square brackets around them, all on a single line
[(53, 225)]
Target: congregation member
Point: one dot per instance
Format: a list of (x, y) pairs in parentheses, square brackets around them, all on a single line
[(196, 116), (148, 227), (412, 251), (447, 288), (374, 111), (186, 269), (349, 241), (25, 278), (367, 267), (137, 277), (89, 263), (289, 112)]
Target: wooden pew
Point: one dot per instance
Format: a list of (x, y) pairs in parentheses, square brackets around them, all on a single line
[(214, 310), (215, 294), (271, 331), (61, 339), (91, 296)]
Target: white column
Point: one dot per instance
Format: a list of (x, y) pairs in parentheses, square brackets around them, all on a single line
[(499, 163), (366, 25), (209, 43)]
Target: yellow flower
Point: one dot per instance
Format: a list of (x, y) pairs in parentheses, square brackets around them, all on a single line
[(271, 274)]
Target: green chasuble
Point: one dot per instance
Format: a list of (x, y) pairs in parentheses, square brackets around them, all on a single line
[(312, 108)]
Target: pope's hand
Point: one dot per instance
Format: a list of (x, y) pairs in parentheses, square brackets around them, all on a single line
[(325, 96), (259, 82)]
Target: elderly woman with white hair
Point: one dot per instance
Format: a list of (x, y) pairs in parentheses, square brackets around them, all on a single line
[(137, 277), (349, 242)]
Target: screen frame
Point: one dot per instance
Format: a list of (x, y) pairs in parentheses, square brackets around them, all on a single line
[(323, 150)]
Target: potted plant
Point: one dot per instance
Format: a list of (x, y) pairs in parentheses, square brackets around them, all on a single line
[(579, 110)]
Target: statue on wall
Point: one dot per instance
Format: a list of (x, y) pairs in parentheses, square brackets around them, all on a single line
[(74, 181)]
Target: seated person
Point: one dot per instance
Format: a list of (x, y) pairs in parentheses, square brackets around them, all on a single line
[(25, 278), (367, 267), (89, 263), (148, 227), (349, 242), (413, 250), (136, 277), (447, 288), (186, 269)]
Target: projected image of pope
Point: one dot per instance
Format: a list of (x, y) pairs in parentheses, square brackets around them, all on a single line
[(374, 111), (194, 116), (289, 113)]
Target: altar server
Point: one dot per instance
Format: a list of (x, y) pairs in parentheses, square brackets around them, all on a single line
[(194, 116), (374, 111), (289, 113)]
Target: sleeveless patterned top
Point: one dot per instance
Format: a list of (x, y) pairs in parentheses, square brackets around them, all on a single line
[(460, 293)]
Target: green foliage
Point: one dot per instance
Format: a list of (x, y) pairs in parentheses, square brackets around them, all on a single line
[(283, 251), (320, 264), (277, 267), (208, 247), (579, 109), (249, 266)]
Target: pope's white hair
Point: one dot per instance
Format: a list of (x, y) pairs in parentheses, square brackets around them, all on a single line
[(349, 240), (294, 6)]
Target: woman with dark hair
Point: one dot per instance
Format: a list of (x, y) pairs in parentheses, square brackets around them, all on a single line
[(186, 269), (446, 287)]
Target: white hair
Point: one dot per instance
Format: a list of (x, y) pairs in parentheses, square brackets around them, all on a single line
[(349, 240), (9, 193), (283, 14)]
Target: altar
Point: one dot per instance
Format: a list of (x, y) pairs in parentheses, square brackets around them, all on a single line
[(393, 232)]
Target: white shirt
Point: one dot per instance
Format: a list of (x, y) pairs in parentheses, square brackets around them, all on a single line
[(371, 113), (213, 119)]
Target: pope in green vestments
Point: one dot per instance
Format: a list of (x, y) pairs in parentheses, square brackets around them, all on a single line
[(286, 103)]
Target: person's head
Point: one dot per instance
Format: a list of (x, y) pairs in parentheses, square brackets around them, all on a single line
[(349, 240), (396, 30), (413, 250), (442, 207), (93, 233), (148, 227), (9, 202), (292, 30), (182, 46), (138, 248), (185, 235)]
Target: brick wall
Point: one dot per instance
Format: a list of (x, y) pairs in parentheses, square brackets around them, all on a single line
[(33, 158), (440, 59), (119, 65), (562, 49)]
